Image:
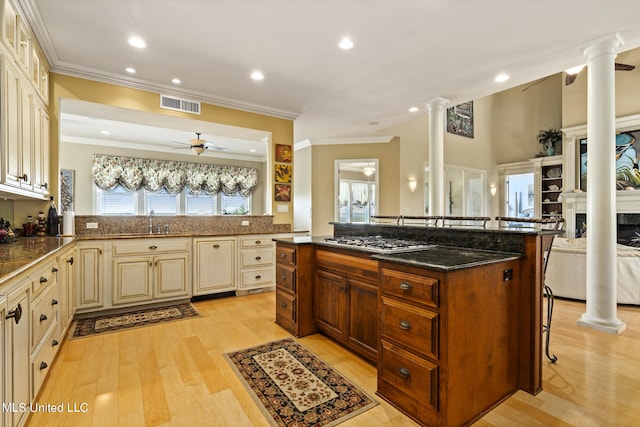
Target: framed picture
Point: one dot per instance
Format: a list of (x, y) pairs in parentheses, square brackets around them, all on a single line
[(283, 173), (627, 158), (460, 119), (67, 189), (282, 192), (283, 153)]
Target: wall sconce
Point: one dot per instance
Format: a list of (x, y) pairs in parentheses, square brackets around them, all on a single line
[(493, 189), (412, 184)]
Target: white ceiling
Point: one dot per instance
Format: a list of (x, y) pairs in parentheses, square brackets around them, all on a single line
[(406, 52)]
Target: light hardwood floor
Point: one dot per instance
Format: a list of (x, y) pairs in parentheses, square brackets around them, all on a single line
[(174, 374)]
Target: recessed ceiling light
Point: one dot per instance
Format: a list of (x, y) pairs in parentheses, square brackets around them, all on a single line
[(257, 75), (502, 77), (104, 132), (131, 70), (373, 123), (413, 109), (175, 81), (253, 150), (346, 43), (137, 42)]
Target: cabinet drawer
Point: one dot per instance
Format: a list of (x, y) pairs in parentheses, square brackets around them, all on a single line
[(42, 360), (256, 242), (263, 276), (43, 313), (411, 375), (414, 327), (285, 307), (286, 255), (44, 277), (256, 258), (151, 246), (419, 289), (286, 278)]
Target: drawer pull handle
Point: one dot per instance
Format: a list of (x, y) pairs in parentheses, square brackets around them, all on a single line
[(258, 277), (283, 305), (405, 325), (54, 343), (43, 365), (258, 242), (54, 302), (153, 247), (405, 286), (258, 258), (15, 314), (43, 279), (43, 317), (283, 277), (216, 246), (54, 269), (404, 373), (283, 255)]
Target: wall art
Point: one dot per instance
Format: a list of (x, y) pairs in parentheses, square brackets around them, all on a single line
[(460, 119)]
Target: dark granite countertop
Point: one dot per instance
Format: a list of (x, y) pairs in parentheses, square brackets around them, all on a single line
[(444, 258), (26, 252)]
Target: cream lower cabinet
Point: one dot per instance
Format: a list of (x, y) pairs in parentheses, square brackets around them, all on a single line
[(150, 270), (67, 289), (256, 261), (214, 267), (91, 275)]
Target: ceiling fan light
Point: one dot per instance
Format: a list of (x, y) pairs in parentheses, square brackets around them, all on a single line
[(575, 70), (198, 149)]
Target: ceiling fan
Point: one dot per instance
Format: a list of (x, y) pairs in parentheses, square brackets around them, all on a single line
[(198, 146), (572, 74)]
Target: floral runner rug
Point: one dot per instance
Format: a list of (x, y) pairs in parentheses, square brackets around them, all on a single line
[(132, 319), (293, 387)]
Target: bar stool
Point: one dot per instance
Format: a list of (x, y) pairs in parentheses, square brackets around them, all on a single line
[(548, 293)]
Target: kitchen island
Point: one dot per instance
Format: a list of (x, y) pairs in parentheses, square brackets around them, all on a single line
[(458, 322)]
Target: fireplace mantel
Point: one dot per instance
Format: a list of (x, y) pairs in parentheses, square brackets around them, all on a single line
[(575, 201)]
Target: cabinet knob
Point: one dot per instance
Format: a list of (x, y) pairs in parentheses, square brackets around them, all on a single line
[(258, 277), (54, 269), (43, 317), (405, 286), (258, 242), (23, 177), (216, 246), (54, 302), (43, 279), (283, 305), (283, 277), (405, 325), (70, 261), (283, 255), (15, 314), (153, 247), (54, 343), (258, 258), (45, 185), (43, 365), (404, 373)]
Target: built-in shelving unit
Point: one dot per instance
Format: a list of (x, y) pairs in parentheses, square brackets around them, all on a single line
[(548, 175)]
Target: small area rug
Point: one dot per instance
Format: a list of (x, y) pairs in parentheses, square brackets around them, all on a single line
[(293, 387), (132, 319)]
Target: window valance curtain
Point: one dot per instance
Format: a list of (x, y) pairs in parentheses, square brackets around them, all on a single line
[(154, 175)]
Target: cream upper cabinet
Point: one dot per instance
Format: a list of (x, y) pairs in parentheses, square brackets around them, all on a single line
[(149, 270), (11, 121), (40, 149), (214, 265), (9, 25)]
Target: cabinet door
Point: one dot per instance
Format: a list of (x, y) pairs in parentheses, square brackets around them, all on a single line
[(18, 352), (363, 316), (26, 141), (132, 279), (214, 267), (11, 120), (66, 289), (171, 276), (40, 149), (330, 300), (90, 277)]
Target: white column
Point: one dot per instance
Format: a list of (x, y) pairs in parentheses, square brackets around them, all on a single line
[(436, 155), (601, 311)]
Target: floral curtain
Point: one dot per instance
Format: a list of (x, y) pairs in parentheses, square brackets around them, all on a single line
[(154, 175)]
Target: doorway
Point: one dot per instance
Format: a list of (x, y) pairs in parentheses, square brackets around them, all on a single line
[(355, 190), (519, 195)]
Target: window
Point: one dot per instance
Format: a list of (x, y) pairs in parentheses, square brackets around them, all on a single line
[(119, 201)]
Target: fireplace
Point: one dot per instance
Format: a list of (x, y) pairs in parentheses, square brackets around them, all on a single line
[(627, 225)]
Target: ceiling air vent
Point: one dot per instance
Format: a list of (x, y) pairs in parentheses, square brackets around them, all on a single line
[(178, 104)]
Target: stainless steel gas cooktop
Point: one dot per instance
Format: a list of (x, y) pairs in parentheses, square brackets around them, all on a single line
[(377, 244)]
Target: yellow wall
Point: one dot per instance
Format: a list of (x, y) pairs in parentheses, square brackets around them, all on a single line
[(62, 86), (322, 159)]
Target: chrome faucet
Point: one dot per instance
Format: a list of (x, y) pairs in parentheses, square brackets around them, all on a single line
[(151, 221)]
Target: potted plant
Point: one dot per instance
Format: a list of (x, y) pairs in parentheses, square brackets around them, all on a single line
[(549, 138)]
